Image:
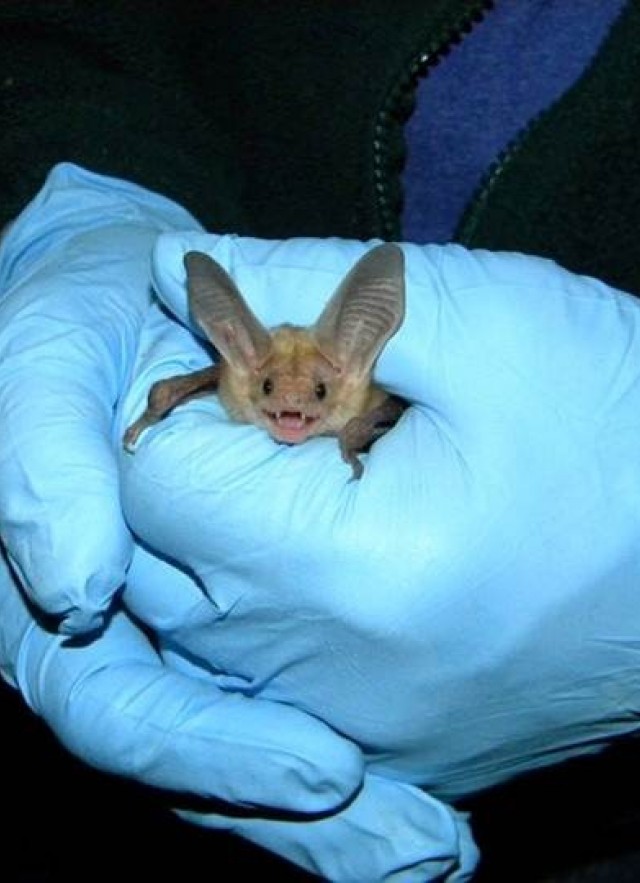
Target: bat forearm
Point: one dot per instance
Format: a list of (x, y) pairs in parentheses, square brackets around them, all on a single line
[(360, 432), (165, 395)]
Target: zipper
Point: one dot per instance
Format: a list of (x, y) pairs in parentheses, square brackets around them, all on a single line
[(468, 223), (388, 144)]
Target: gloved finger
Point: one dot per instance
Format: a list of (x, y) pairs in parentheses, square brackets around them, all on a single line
[(390, 833), (114, 704), (74, 279)]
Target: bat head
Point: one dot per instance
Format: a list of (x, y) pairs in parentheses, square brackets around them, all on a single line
[(300, 382)]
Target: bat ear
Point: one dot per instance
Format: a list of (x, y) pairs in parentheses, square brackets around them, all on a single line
[(365, 311), (219, 308)]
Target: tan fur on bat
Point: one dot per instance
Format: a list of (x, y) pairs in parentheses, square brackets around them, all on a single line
[(295, 382)]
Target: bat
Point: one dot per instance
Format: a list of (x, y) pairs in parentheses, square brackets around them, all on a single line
[(295, 382)]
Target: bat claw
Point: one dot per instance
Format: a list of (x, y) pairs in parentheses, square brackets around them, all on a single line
[(349, 453), (357, 468), (130, 438), (133, 433)]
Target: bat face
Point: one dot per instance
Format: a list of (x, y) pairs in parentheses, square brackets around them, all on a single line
[(295, 393)]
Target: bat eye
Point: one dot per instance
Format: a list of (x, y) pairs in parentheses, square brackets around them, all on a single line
[(321, 391), (267, 387)]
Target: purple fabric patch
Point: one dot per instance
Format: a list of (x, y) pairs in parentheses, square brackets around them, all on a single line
[(512, 66)]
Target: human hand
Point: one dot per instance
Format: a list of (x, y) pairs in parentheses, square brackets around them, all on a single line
[(74, 271), (490, 668), (74, 289), (462, 612)]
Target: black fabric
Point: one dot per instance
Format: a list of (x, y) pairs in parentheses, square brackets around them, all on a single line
[(286, 119), (104, 85), (570, 190), (268, 119)]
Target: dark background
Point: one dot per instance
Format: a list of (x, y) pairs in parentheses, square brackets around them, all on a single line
[(66, 823)]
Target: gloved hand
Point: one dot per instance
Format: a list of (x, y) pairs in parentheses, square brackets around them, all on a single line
[(74, 295), (468, 609)]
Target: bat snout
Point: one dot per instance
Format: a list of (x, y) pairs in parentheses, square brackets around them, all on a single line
[(291, 426)]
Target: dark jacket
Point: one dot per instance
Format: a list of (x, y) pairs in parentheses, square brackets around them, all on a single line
[(287, 119)]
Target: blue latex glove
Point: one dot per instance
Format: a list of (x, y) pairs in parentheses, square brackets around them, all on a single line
[(75, 293), (469, 609), (74, 271)]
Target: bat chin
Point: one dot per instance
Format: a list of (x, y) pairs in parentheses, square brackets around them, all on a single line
[(290, 427)]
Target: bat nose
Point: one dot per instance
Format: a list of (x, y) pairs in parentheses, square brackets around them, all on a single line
[(290, 394)]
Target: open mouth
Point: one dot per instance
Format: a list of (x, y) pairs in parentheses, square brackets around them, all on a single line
[(291, 427)]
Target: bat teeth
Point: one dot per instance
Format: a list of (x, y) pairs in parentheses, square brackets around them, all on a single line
[(291, 426), (291, 417)]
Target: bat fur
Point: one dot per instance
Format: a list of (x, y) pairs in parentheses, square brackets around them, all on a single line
[(294, 382)]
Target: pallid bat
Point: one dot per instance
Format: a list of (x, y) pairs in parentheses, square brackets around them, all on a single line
[(295, 382)]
